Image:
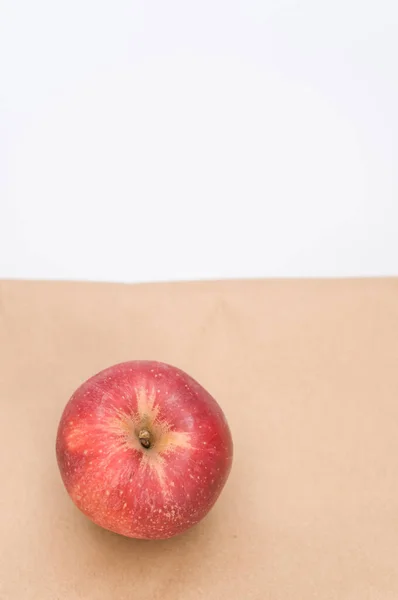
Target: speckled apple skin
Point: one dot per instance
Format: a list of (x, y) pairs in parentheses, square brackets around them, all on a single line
[(149, 493)]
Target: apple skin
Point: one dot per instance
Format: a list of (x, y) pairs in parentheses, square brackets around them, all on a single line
[(143, 449)]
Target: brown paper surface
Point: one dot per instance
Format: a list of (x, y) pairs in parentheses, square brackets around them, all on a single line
[(307, 374)]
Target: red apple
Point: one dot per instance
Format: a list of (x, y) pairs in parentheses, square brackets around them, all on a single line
[(143, 449)]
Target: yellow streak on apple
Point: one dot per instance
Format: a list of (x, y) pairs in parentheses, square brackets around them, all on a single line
[(125, 427)]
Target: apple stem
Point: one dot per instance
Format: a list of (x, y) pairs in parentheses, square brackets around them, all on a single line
[(145, 438)]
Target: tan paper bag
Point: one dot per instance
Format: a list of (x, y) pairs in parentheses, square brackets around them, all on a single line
[(307, 374)]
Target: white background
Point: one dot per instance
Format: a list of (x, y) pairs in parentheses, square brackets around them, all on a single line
[(150, 140)]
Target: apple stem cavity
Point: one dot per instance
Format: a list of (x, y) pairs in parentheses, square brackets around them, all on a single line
[(145, 438)]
